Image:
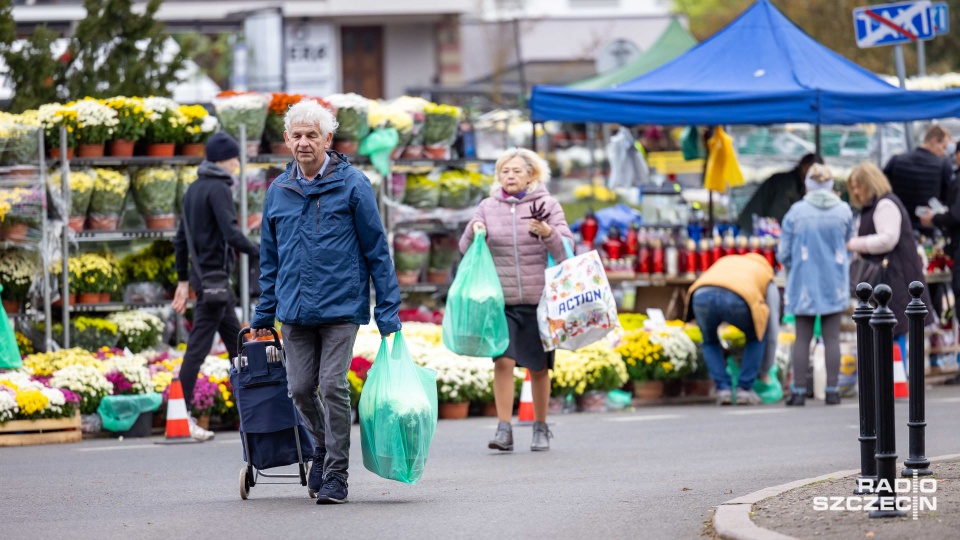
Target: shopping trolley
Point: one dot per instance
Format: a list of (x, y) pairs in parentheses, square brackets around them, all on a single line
[(271, 429)]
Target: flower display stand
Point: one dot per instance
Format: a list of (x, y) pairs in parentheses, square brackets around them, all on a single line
[(30, 432)]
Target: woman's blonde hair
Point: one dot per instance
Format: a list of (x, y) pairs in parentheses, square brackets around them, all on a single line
[(871, 179), (537, 168)]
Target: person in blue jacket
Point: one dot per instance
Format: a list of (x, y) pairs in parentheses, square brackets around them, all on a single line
[(813, 249), (321, 242)]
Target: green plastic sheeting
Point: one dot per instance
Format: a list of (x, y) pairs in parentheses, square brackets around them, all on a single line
[(674, 41), (9, 351), (119, 413)]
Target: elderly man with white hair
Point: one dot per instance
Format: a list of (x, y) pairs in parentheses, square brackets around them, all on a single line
[(322, 241)]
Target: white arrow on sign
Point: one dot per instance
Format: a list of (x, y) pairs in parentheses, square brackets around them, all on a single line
[(877, 30)]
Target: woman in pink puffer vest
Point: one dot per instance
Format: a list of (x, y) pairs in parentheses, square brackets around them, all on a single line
[(519, 245)]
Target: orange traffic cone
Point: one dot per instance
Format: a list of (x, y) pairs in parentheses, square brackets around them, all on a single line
[(525, 414), (178, 425), (900, 388)]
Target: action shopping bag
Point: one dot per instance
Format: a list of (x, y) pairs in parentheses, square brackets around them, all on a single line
[(475, 323), (398, 414), (577, 307)]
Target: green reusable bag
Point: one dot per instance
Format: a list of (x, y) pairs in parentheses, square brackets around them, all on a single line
[(9, 351), (475, 323), (398, 414), (119, 413), (378, 145)]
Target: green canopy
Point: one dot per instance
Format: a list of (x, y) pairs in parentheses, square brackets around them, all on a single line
[(674, 41)]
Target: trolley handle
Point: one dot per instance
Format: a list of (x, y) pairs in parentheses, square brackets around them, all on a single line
[(247, 330)]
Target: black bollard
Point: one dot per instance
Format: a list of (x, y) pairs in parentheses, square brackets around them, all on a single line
[(867, 382), (883, 321), (917, 463)]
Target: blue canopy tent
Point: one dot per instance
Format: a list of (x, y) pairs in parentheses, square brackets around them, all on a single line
[(760, 69)]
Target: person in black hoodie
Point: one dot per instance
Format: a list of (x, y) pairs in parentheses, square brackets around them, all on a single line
[(208, 209)]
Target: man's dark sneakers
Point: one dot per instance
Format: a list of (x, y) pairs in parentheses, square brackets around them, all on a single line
[(832, 398), (797, 399), (315, 478), (334, 490)]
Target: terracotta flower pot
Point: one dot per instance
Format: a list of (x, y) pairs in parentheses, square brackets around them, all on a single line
[(254, 221), (59, 303), (490, 409), (88, 298), (396, 153), (253, 149), (161, 149), (193, 149), (346, 147), (55, 153), (16, 232), (408, 278), (204, 421), (280, 149), (557, 404), (121, 148), (412, 151), (594, 401), (90, 151), (22, 172), (648, 389), (11, 306), (105, 298), (436, 152), (160, 223), (454, 411), (438, 277), (76, 222), (103, 223)]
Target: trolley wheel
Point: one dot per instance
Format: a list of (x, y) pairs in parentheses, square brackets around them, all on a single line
[(244, 483), (307, 474)]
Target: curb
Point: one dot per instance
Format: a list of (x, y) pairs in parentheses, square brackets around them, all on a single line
[(732, 519)]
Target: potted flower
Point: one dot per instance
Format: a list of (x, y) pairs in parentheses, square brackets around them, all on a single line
[(444, 252), (411, 252), (412, 142), (85, 381), (22, 146), (699, 382), (641, 357), (279, 104), (567, 379), (109, 193), (20, 211), (92, 333), (440, 129), (95, 273), (248, 109), (352, 114), (52, 117), (422, 190), (486, 398), (604, 370), (95, 124), (256, 194), (75, 270), (678, 360), (204, 402), (459, 380), (199, 126), (81, 191), (479, 186), (165, 127), (132, 118), (455, 190), (186, 176), (138, 330), (155, 192), (17, 270)]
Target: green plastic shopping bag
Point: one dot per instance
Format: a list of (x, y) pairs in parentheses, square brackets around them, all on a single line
[(9, 351), (475, 323), (398, 414)]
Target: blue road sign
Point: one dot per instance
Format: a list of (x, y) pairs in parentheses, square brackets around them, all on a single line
[(890, 24), (940, 16)]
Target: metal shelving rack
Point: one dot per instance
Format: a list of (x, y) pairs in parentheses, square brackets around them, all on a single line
[(38, 180)]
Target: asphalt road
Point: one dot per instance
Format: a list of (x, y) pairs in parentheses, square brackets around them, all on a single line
[(653, 473)]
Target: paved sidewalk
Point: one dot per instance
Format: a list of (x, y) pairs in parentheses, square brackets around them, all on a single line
[(788, 511)]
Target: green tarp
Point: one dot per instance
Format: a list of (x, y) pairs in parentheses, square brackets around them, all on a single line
[(674, 41)]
